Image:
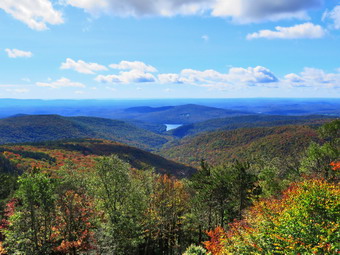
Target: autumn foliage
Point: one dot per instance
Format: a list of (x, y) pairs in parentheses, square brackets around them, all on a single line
[(304, 220), (216, 243)]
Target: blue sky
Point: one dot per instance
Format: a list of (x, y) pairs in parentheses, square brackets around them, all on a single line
[(169, 48)]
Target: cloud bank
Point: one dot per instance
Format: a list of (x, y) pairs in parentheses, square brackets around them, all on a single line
[(38, 14), (243, 11), (307, 30), (139, 72)]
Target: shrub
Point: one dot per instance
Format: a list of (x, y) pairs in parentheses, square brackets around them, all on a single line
[(195, 250)]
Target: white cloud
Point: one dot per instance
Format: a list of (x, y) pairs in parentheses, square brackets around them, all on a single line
[(82, 67), (242, 11), (205, 38), (306, 30), (18, 90), (169, 78), (133, 76), (15, 53), (134, 65), (313, 77), (252, 75), (61, 83), (245, 11), (34, 13), (141, 7), (236, 76), (333, 15)]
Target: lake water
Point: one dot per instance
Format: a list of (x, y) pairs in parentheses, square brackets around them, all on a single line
[(172, 126)]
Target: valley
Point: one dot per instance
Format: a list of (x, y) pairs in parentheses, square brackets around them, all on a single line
[(163, 180)]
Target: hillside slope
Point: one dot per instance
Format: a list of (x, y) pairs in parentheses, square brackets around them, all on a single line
[(249, 121), (223, 146), (182, 114), (35, 128), (83, 152)]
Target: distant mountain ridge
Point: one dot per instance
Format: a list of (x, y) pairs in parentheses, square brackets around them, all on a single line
[(182, 114), (36, 128), (116, 109)]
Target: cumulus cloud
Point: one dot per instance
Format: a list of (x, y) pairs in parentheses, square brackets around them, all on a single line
[(82, 66), (133, 76), (15, 53), (61, 83), (245, 11), (239, 10), (34, 13), (38, 14), (142, 7), (235, 76), (306, 30), (313, 77), (333, 15), (169, 78), (134, 65)]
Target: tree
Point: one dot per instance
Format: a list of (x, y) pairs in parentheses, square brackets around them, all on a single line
[(319, 156), (121, 204), (32, 223), (167, 206), (303, 221)]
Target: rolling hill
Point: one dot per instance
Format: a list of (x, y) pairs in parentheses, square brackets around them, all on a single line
[(182, 114), (223, 146), (35, 128), (83, 152), (248, 121)]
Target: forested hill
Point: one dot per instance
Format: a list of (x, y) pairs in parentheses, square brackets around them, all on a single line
[(36, 128), (223, 146), (248, 121), (182, 114), (82, 152)]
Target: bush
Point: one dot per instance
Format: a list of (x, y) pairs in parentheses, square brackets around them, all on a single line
[(195, 250), (304, 221)]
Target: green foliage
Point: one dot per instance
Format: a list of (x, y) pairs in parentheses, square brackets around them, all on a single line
[(220, 194), (195, 250), (319, 156), (248, 121), (304, 221), (87, 200), (47, 154), (121, 202), (221, 147), (31, 224), (35, 128)]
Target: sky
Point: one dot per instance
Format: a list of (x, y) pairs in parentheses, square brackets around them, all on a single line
[(103, 49)]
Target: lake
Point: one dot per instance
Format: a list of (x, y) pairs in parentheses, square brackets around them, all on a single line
[(172, 126)]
